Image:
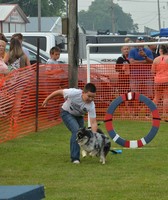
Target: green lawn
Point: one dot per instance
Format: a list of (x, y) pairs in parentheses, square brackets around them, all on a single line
[(43, 158)]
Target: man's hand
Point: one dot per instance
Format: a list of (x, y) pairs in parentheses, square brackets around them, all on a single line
[(44, 104), (142, 53)]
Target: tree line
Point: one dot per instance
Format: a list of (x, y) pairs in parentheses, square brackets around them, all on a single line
[(101, 15)]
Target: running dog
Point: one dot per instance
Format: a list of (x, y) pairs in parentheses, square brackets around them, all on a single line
[(96, 144)]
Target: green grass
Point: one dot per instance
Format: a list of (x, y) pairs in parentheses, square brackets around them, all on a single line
[(43, 158)]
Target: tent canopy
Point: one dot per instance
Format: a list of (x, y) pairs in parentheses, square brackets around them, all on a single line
[(163, 33)]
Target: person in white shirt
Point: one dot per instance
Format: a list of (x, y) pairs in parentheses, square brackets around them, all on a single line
[(77, 103)]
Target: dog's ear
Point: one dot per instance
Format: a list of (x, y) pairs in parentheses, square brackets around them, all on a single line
[(81, 129), (100, 131)]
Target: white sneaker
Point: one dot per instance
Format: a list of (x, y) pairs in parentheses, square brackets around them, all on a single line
[(76, 162)]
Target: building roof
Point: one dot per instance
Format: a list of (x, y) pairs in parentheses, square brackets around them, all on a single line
[(47, 23), (7, 9)]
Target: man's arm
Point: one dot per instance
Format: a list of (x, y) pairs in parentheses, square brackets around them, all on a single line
[(53, 94), (93, 123), (147, 56), (132, 61), (146, 61)]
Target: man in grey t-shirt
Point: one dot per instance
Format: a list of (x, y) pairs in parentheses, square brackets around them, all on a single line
[(77, 103)]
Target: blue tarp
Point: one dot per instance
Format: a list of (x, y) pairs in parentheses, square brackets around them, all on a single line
[(163, 33), (154, 34), (22, 192)]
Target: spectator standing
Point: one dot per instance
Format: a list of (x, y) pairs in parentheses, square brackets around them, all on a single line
[(160, 71), (128, 40), (2, 37), (77, 104), (16, 58), (153, 48), (3, 43), (122, 67), (3, 72), (140, 70), (141, 79), (140, 54), (54, 55), (19, 36), (3, 66), (2, 48)]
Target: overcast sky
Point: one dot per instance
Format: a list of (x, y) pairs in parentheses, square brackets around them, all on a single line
[(144, 12)]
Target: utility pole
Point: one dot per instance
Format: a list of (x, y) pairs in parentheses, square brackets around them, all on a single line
[(112, 17), (39, 15), (73, 57), (159, 20)]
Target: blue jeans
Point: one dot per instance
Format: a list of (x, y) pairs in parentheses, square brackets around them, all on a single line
[(73, 123)]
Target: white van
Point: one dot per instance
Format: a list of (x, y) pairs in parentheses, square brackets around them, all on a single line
[(47, 39)]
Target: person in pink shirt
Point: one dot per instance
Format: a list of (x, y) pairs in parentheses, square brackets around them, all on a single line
[(160, 71)]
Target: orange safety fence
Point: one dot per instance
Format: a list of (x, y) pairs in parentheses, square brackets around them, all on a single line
[(18, 100), (19, 114)]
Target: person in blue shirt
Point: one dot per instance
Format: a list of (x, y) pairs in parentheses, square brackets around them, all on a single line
[(140, 54), (141, 79), (140, 59)]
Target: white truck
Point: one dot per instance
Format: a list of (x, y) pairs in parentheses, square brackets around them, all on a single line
[(47, 39)]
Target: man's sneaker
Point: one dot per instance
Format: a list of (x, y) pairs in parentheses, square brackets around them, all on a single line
[(76, 162)]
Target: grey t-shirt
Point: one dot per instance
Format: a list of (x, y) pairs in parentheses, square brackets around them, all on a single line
[(51, 61), (75, 105)]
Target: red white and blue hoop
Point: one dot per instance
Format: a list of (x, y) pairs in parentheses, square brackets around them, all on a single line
[(132, 143)]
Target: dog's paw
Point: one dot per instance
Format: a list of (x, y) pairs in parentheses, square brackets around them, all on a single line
[(103, 161), (84, 153), (91, 154)]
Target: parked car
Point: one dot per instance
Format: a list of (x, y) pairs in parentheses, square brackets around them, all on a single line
[(47, 40), (43, 56)]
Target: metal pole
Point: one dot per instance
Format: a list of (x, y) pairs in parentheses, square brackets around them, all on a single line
[(37, 85), (37, 68), (159, 20), (112, 17), (88, 63), (39, 15), (88, 73)]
